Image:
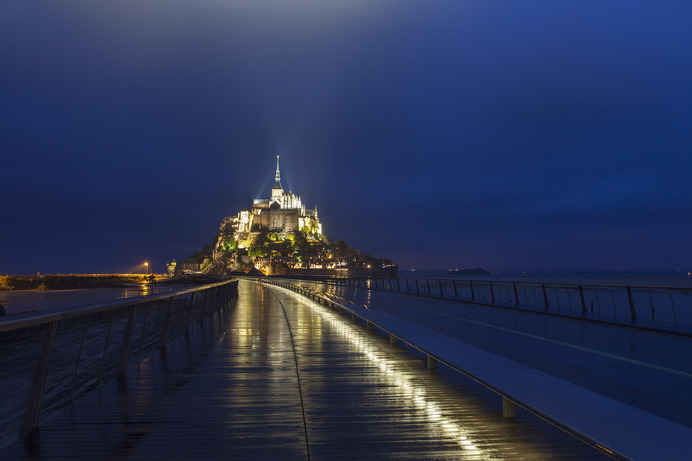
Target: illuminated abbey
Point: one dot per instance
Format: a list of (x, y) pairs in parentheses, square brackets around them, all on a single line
[(283, 214), (280, 236), (276, 232)]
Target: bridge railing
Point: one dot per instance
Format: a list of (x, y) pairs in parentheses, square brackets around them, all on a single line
[(665, 308), (47, 361), (578, 411)]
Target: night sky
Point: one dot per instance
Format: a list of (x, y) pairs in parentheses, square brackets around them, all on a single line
[(512, 135)]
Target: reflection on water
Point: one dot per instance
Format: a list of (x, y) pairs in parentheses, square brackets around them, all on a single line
[(17, 302)]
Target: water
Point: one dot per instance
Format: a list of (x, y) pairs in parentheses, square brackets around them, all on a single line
[(19, 302)]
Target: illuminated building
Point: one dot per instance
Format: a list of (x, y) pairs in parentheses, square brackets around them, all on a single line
[(283, 214), (278, 235)]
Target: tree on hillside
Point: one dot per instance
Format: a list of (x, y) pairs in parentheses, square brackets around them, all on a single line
[(229, 244), (341, 248), (300, 242), (205, 252), (260, 245), (283, 248)]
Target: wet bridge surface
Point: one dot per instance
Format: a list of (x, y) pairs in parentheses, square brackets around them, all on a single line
[(279, 376), (647, 369)]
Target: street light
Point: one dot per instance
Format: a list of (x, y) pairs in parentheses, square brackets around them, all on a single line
[(147, 264)]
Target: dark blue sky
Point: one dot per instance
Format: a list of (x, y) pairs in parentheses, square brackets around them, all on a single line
[(502, 134)]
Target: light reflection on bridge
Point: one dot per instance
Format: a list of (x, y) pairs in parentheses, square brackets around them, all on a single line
[(413, 392)]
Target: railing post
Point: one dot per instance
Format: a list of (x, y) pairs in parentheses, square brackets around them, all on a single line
[(431, 362), (228, 295), (516, 294), (545, 298), (398, 285), (140, 348), (633, 311), (127, 338), (653, 310), (223, 295), (509, 409), (105, 349), (215, 298), (188, 321), (583, 301), (456, 294), (34, 404), (439, 281), (204, 306), (164, 330), (473, 295), (492, 293), (79, 357), (427, 283)]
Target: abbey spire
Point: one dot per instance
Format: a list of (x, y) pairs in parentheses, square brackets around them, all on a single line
[(277, 190), (277, 184)]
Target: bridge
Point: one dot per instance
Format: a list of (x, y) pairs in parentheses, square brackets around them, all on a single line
[(355, 369)]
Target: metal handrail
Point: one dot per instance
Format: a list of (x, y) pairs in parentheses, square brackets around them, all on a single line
[(653, 307), (13, 322), (61, 356), (480, 280)]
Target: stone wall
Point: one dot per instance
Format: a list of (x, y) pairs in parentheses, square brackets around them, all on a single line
[(278, 220)]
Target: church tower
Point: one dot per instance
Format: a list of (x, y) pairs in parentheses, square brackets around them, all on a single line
[(277, 190)]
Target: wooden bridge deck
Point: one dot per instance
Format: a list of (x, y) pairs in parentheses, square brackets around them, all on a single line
[(280, 377)]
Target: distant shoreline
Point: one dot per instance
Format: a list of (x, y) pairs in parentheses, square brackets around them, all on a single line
[(69, 281)]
